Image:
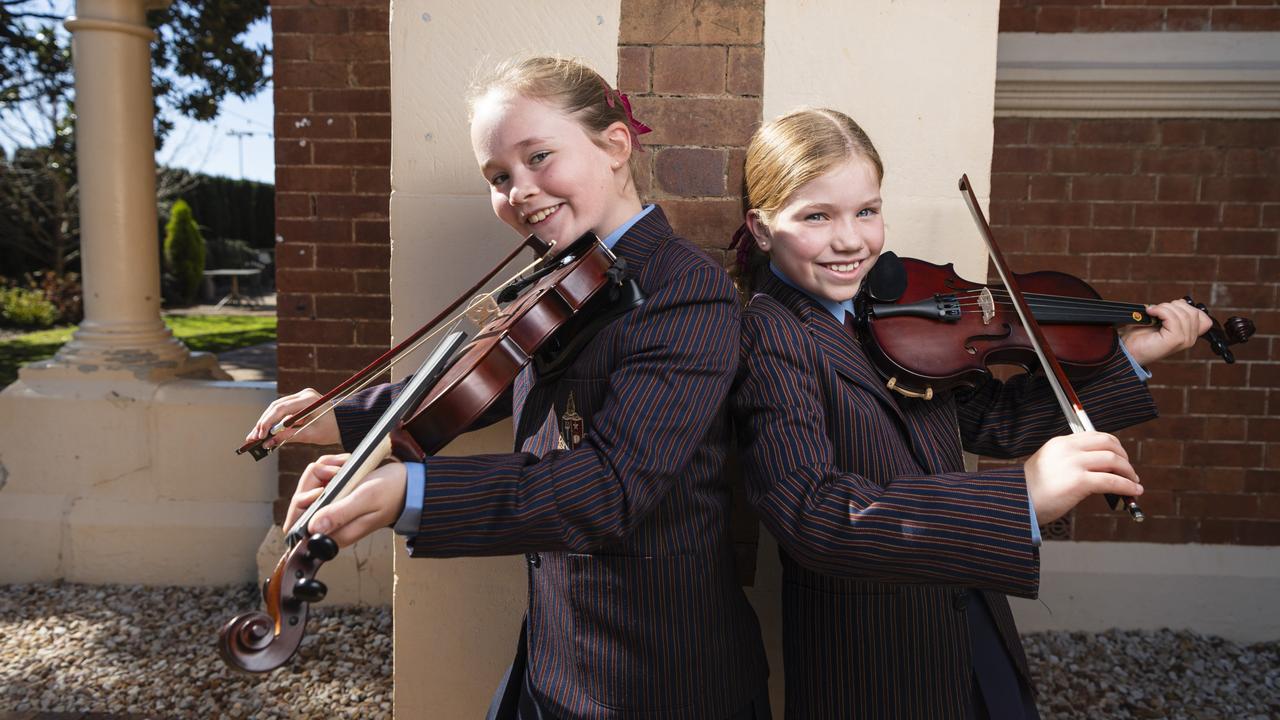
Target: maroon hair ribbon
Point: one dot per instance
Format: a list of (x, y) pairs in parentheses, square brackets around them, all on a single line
[(636, 127)]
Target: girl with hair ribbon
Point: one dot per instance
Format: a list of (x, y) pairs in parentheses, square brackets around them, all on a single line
[(882, 532), (615, 492)]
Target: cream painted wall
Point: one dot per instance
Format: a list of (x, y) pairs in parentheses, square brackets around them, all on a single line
[(456, 621), (919, 77)]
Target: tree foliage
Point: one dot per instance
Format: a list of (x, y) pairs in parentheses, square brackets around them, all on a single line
[(184, 251), (198, 59)]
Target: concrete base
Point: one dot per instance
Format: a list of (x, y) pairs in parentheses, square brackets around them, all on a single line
[(111, 479), (1224, 590)]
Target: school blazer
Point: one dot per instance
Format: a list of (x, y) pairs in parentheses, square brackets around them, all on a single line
[(634, 610), (866, 493)]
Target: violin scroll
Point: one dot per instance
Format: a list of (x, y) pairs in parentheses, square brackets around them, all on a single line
[(263, 641), (1236, 331)]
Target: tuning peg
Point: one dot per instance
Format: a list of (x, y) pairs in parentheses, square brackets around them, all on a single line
[(321, 547), (1238, 329), (309, 590)]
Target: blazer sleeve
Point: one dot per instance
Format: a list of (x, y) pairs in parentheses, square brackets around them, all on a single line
[(970, 529), (1015, 417), (676, 362)]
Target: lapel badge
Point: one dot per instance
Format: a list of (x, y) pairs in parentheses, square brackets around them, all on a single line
[(571, 426)]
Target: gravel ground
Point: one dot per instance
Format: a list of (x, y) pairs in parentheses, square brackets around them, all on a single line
[(151, 652)]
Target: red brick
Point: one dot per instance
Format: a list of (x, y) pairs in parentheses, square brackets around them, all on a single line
[(1175, 215), (296, 357), (345, 358), (1261, 163), (1008, 186), (376, 181), (1241, 189), (1010, 131), (633, 69), (1179, 374), (330, 332), (1218, 532), (1017, 19), (699, 121), (376, 100), (371, 74), (1091, 160), (691, 172), (352, 153), (293, 305), (355, 257), (1043, 240), (378, 283), (1218, 505), (1244, 133), (1174, 241), (372, 47), (1159, 452), (1156, 267), (1178, 188), (1120, 20), (1045, 131), (689, 69), (292, 152), (1223, 401), (1239, 242), (1265, 375), (1166, 161), (1168, 530), (1174, 426), (1113, 267), (311, 21), (1262, 481), (295, 256), (1057, 20), (1113, 187), (292, 205), (1050, 187), (1116, 132), (709, 223), (373, 127), (291, 101), (371, 19), (291, 47), (723, 22), (1228, 429), (372, 231), (1246, 19), (352, 206), (1258, 533), (312, 126), (735, 185), (1048, 213), (1182, 132), (1111, 215), (1187, 19), (371, 332), (312, 231), (1113, 240), (316, 281), (314, 179), (294, 74), (372, 307), (746, 71), (1020, 160)]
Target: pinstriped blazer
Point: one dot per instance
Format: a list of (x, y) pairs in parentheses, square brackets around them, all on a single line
[(866, 492), (635, 610)]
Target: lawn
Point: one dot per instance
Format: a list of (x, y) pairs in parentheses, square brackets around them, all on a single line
[(207, 333)]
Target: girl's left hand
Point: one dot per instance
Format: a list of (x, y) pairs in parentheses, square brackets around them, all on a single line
[(1180, 325), (374, 504)]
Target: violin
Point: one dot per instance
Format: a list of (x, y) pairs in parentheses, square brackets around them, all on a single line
[(452, 390), (928, 331)]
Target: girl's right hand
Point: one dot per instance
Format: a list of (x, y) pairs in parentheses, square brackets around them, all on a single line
[(1070, 468), (321, 432)]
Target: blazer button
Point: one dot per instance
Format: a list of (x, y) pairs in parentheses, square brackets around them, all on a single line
[(534, 559), (960, 600)]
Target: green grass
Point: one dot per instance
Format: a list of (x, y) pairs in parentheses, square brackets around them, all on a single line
[(205, 333)]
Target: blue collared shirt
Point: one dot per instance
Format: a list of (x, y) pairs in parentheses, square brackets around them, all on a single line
[(416, 473)]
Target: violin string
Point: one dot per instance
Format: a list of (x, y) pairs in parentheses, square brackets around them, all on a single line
[(451, 322), (1061, 300)]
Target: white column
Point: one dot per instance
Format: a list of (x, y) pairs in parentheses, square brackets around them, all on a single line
[(115, 150)]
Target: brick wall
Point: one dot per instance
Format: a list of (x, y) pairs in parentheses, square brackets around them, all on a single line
[(1058, 16), (333, 181), (1149, 210)]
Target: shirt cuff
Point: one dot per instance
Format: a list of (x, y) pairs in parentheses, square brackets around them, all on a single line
[(1143, 374), (1035, 526), (414, 489)]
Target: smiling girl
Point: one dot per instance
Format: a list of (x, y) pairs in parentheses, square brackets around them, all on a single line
[(615, 492), (866, 490)]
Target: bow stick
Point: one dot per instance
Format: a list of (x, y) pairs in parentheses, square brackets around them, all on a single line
[(1077, 418)]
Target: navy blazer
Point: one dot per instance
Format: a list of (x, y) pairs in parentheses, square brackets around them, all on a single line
[(866, 491), (635, 610)]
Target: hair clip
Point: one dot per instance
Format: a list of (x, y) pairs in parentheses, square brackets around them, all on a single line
[(636, 127)]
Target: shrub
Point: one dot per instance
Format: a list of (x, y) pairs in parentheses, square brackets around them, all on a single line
[(25, 308), (184, 251), (62, 291)]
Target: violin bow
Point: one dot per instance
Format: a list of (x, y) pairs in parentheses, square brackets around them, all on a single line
[(1072, 409)]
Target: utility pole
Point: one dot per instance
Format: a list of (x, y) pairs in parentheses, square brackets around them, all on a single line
[(240, 135)]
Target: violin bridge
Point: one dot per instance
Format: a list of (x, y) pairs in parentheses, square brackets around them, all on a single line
[(482, 309), (987, 304)]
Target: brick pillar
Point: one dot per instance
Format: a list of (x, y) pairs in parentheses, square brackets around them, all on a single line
[(695, 72), (333, 181)]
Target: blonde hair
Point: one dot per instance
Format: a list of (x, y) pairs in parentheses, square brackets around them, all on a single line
[(568, 83), (791, 150)]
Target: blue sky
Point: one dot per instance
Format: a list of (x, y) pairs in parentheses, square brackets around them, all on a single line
[(207, 148)]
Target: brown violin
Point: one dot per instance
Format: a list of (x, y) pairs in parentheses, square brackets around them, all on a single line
[(927, 330), (446, 396)]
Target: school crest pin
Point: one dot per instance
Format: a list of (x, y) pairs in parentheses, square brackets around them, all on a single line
[(571, 425)]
